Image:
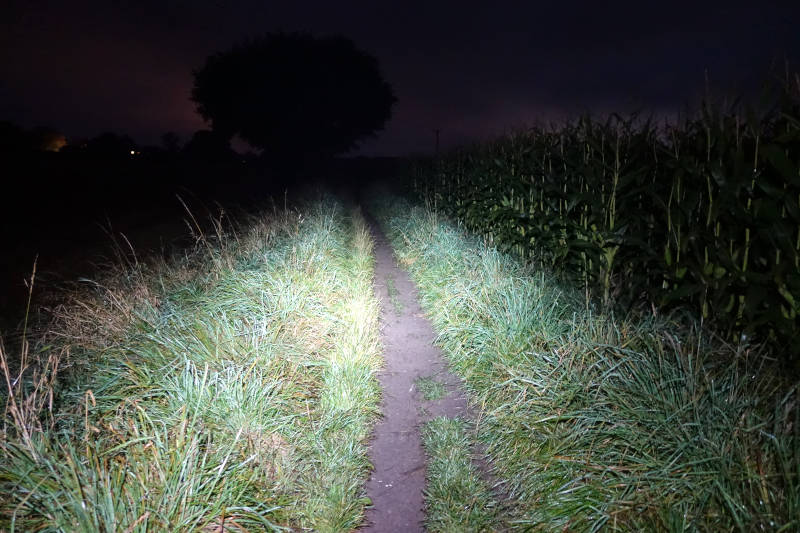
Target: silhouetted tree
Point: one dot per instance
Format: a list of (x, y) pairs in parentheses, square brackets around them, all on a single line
[(171, 142), (13, 139), (294, 95), (208, 146), (47, 139)]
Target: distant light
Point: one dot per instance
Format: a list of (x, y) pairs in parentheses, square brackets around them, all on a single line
[(53, 142), (132, 152)]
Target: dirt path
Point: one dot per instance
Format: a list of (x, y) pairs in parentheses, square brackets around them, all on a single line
[(398, 480)]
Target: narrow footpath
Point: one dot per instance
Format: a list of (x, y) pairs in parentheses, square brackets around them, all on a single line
[(396, 452)]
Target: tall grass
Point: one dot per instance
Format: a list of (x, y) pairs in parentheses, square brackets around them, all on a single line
[(599, 422), (703, 213), (229, 389)]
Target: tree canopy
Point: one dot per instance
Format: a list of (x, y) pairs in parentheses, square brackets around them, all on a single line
[(294, 94)]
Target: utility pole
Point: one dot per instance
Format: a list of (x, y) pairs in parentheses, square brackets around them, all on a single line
[(436, 131)]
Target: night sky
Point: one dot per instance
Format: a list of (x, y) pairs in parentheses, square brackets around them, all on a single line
[(471, 71)]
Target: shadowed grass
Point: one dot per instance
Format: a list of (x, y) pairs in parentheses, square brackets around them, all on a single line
[(230, 389), (598, 422)]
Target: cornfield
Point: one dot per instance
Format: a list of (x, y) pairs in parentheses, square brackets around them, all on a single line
[(701, 214)]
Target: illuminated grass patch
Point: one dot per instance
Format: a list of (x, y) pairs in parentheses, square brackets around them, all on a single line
[(229, 389), (456, 499), (599, 422)]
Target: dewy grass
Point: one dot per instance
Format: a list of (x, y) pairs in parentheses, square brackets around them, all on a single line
[(456, 499), (232, 389), (594, 422), (430, 389)]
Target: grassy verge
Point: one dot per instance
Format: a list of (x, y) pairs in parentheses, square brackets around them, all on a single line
[(230, 389), (456, 499), (594, 421)]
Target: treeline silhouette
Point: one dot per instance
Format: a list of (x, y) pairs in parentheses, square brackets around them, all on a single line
[(60, 198), (50, 182), (300, 101)]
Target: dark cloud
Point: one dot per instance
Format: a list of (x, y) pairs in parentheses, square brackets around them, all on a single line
[(469, 70)]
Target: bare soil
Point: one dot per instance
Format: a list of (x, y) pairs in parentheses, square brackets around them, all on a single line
[(397, 482)]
